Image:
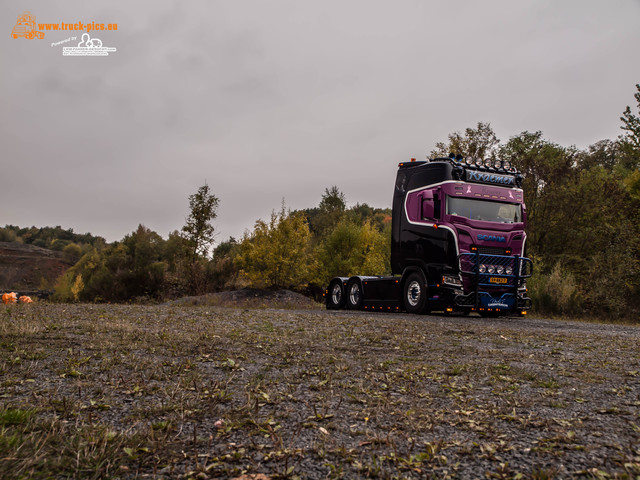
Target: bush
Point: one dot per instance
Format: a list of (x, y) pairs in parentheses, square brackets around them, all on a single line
[(277, 254), (555, 292), (352, 249), (7, 235), (72, 252)]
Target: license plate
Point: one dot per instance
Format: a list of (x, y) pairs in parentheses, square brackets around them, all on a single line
[(497, 280)]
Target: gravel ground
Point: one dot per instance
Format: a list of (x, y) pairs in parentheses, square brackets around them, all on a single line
[(173, 391)]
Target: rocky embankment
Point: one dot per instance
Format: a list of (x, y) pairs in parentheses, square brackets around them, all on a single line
[(29, 269)]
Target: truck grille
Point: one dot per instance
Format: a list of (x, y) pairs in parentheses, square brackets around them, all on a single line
[(520, 268), (491, 251)]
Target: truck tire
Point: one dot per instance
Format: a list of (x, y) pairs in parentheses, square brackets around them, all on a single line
[(414, 294), (354, 294), (336, 296)]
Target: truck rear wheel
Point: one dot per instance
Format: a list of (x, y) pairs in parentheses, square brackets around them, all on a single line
[(415, 294), (336, 297), (354, 294)]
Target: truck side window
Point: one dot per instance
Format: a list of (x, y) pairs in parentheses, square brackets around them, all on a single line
[(401, 181)]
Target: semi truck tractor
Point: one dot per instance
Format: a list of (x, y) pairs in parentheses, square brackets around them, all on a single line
[(457, 243)]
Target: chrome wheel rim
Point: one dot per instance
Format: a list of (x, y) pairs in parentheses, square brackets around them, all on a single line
[(413, 293), (354, 294), (336, 294)]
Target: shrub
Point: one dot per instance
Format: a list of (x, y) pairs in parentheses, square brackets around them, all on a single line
[(277, 254), (554, 292)]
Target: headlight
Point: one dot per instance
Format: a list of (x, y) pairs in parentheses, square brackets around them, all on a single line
[(451, 280), (507, 165), (469, 161), (508, 270), (499, 269), (488, 162), (482, 268), (491, 268), (497, 164)]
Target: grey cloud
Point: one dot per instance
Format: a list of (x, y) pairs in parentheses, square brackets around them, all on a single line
[(267, 100)]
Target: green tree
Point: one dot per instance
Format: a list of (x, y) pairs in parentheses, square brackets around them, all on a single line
[(7, 235), (72, 252), (546, 168), (604, 153), (476, 142), (333, 200), (133, 267), (328, 213), (354, 249), (362, 213), (222, 270), (629, 142), (631, 123), (277, 254), (198, 230)]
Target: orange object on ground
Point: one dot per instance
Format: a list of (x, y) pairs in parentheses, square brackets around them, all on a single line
[(25, 299), (9, 298)]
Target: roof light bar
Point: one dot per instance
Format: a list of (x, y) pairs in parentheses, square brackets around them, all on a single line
[(482, 164)]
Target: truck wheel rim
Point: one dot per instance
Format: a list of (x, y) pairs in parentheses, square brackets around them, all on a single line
[(336, 294), (354, 294), (413, 293)]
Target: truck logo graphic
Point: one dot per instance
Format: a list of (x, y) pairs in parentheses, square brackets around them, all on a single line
[(26, 27), (494, 178), (498, 305), (491, 238)]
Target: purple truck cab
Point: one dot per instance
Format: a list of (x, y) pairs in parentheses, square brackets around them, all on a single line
[(457, 245)]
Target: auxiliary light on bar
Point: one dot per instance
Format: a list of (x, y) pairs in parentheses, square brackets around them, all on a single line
[(488, 164)]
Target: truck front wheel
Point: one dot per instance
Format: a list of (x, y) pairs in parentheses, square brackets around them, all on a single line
[(415, 294)]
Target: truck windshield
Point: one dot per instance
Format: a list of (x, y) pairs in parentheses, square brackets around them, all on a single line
[(484, 210)]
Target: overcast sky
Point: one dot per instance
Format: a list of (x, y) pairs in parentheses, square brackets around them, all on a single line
[(266, 100)]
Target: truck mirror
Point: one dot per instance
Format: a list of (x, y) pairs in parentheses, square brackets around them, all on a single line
[(427, 204)]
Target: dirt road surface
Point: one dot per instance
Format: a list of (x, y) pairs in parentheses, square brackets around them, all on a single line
[(178, 391)]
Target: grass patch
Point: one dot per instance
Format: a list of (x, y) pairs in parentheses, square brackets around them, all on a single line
[(115, 391)]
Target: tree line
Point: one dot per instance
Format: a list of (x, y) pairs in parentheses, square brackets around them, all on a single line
[(583, 234), (299, 250)]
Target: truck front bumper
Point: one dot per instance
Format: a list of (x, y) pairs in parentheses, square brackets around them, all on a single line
[(507, 302)]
